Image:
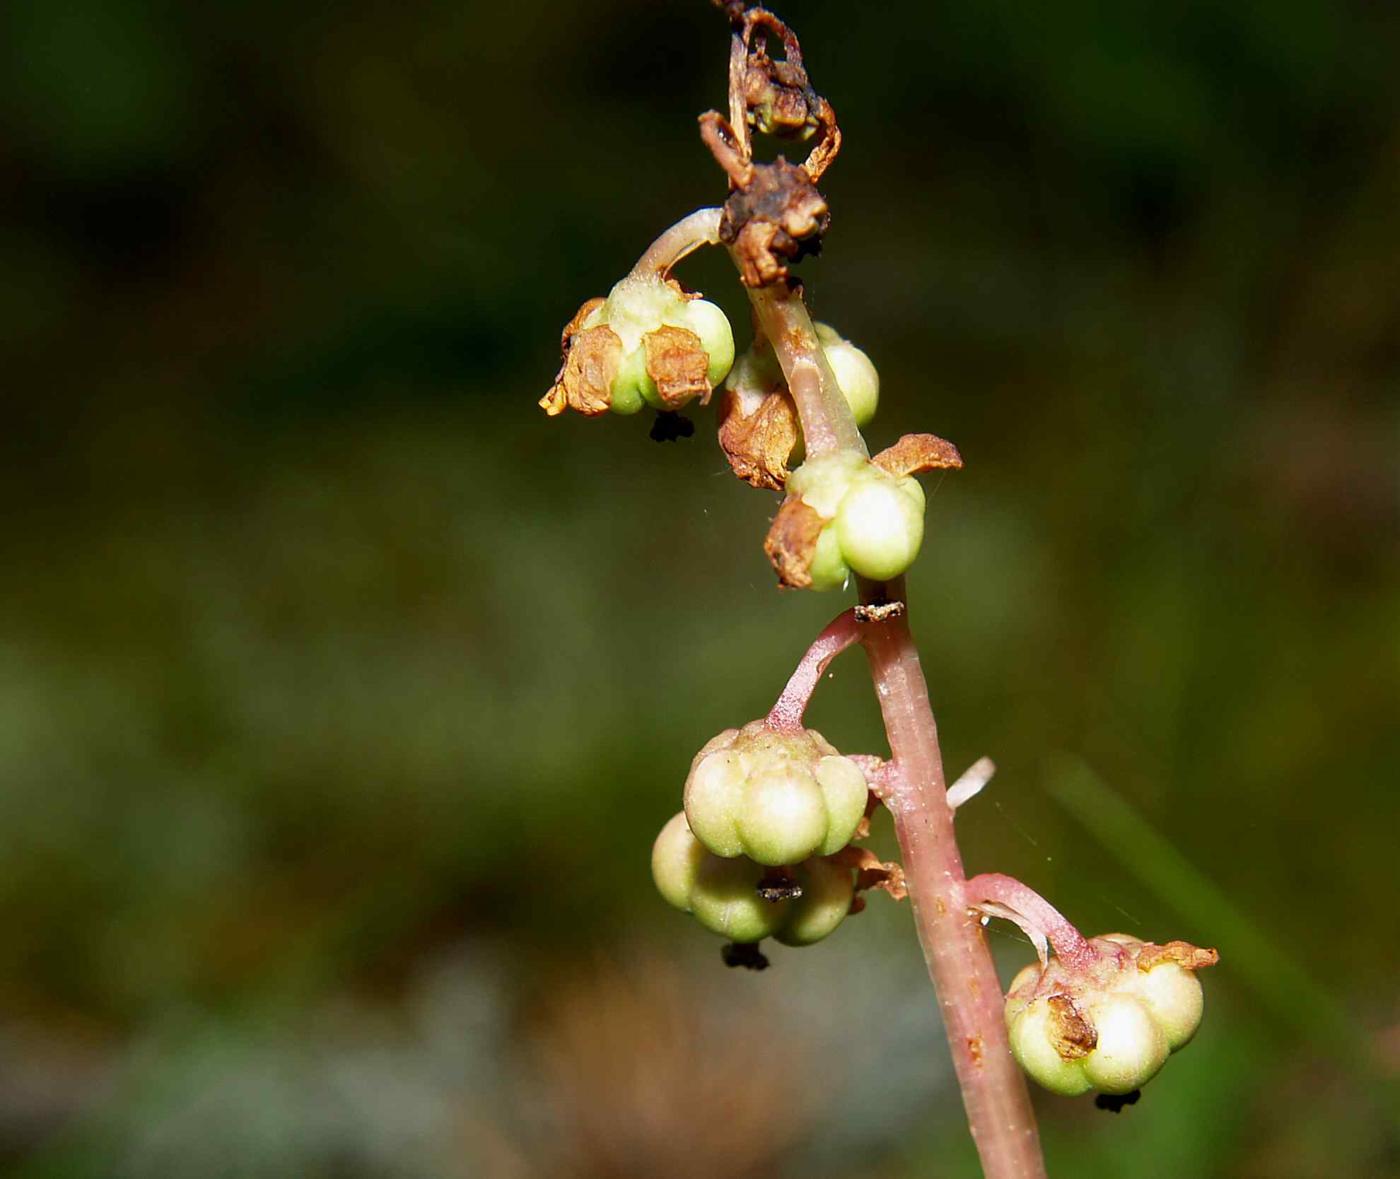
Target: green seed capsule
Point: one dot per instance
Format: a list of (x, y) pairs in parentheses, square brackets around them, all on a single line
[(1108, 1025), (627, 385), (828, 569), (845, 793), (713, 796), (827, 890), (1033, 1038), (775, 797), (725, 900), (857, 379), (676, 857), (781, 817), (1131, 1048), (708, 322), (880, 527), (1175, 999)]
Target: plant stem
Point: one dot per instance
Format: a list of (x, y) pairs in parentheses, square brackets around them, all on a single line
[(994, 1092), (700, 228), (999, 1113), (827, 424), (1071, 946), (840, 633)]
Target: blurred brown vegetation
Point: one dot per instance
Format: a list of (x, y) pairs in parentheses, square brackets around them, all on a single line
[(341, 694)]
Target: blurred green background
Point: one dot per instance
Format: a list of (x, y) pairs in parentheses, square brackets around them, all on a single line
[(341, 693)]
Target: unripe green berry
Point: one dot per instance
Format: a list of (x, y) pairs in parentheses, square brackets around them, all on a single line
[(821, 483), (828, 569), (725, 900), (1131, 1047), (1175, 999), (845, 792), (1033, 1038), (827, 891), (781, 817), (713, 796), (627, 385), (856, 375), (708, 322), (857, 379), (675, 862), (880, 527)]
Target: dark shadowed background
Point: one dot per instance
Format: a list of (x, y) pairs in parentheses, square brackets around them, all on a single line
[(341, 693)]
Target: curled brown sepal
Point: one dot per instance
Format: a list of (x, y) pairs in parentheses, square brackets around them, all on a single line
[(1184, 954), (915, 453), (873, 872), (591, 360), (677, 362), (776, 217), (758, 433), (791, 542)]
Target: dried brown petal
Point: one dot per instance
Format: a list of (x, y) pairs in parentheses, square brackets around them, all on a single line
[(919, 452), (1074, 1036), (585, 382), (677, 362), (575, 325), (758, 445), (792, 542), (1182, 953)]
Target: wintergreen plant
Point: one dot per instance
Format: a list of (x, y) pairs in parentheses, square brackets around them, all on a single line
[(769, 842)]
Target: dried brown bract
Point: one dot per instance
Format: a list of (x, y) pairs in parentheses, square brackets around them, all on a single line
[(1184, 954), (759, 440), (873, 872), (915, 453)]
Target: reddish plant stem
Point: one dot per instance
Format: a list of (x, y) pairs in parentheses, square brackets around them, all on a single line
[(827, 424), (1071, 946), (994, 1092), (999, 1113), (840, 633), (700, 228)]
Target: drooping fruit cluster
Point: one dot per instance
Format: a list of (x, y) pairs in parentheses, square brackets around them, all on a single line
[(648, 343), (766, 810), (1109, 1026)]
